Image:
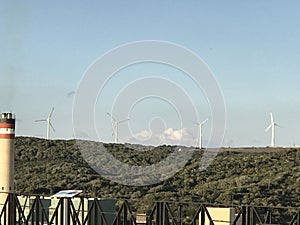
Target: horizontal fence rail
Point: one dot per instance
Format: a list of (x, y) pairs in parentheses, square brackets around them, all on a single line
[(31, 210)]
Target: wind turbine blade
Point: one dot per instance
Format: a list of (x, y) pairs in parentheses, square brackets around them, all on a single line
[(193, 122), (50, 114), (272, 119), (71, 93), (40, 120), (52, 126), (113, 122), (204, 121), (123, 120), (113, 118), (268, 127)]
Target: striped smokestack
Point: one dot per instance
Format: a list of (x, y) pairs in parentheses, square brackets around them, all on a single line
[(7, 149), (7, 152)]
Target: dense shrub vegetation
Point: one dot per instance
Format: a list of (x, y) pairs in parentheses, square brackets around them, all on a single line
[(236, 176)]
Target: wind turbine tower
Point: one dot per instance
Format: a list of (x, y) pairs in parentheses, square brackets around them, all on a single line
[(49, 124), (116, 126), (200, 132), (272, 127)]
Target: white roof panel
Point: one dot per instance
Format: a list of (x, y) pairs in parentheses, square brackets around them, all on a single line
[(66, 193)]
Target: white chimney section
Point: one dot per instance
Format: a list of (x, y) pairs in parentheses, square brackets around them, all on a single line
[(7, 150)]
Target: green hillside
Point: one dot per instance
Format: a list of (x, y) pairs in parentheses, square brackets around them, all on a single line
[(236, 176)]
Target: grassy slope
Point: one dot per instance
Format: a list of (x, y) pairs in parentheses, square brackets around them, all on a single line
[(249, 176)]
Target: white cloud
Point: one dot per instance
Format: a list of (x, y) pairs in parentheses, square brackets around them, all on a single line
[(143, 134), (170, 136), (177, 137), (143, 137)]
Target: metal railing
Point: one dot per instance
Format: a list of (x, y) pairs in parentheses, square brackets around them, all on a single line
[(33, 210)]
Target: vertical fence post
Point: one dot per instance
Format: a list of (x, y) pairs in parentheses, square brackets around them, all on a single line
[(95, 211), (82, 210), (250, 218), (163, 213), (166, 213), (37, 209), (244, 212), (202, 211), (124, 214), (11, 209), (180, 214), (157, 213), (61, 211), (268, 219)]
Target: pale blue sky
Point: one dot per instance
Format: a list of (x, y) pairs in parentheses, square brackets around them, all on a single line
[(252, 48)]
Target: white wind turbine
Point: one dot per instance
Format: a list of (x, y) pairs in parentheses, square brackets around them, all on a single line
[(49, 124), (116, 126), (272, 126), (200, 132)]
